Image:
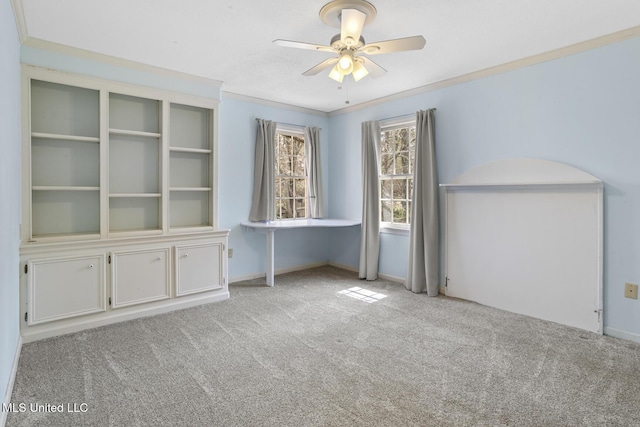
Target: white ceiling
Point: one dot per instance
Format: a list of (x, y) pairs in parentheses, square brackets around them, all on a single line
[(231, 40)]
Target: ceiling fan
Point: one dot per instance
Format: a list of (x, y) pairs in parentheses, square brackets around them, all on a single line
[(351, 16)]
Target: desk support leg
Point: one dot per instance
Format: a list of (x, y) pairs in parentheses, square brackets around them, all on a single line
[(270, 257)]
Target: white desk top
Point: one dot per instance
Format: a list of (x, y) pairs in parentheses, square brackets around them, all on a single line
[(301, 223)]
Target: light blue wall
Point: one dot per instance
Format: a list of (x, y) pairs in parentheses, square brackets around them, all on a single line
[(10, 192), (236, 147), (582, 110)]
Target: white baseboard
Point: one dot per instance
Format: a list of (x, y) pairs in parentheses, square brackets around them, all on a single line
[(277, 272), (344, 266), (77, 324), (624, 335), (12, 379)]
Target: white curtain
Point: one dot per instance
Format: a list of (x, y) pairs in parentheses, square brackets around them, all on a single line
[(424, 241), (263, 200), (370, 234), (314, 171)]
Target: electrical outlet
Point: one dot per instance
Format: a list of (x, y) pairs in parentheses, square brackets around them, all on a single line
[(230, 253), (631, 290)]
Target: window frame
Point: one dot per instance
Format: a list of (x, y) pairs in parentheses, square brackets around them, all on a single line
[(293, 132), (391, 227)]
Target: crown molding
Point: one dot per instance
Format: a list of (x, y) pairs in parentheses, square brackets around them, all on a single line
[(275, 104), (113, 60), (21, 23), (498, 69)]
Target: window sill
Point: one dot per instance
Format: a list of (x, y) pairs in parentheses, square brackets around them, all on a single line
[(394, 229)]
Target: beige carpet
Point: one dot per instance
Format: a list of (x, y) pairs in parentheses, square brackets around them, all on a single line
[(304, 354)]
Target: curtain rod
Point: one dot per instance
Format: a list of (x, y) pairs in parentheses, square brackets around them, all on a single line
[(408, 116), (291, 124)]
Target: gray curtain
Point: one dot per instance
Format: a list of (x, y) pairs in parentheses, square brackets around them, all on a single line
[(314, 171), (424, 241), (263, 200), (370, 234)]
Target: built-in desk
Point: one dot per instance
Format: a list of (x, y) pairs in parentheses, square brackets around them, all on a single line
[(269, 228)]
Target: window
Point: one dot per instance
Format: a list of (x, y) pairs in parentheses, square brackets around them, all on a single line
[(291, 177), (397, 154)]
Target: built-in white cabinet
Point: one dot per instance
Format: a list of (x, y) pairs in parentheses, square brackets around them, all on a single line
[(194, 270), (119, 202), (61, 288), (140, 276)]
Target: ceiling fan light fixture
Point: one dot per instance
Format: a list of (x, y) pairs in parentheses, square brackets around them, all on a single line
[(335, 74), (359, 70), (345, 64)]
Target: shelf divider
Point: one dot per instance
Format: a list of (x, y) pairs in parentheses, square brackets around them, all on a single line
[(64, 137), (113, 131)]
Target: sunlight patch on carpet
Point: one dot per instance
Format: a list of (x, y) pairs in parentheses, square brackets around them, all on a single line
[(362, 294)]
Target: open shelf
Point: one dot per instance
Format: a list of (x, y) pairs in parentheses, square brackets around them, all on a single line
[(189, 209), (64, 110), (134, 213), (190, 127), (65, 211), (132, 113)]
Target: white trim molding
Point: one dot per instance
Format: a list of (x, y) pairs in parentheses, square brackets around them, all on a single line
[(121, 62), (275, 104), (498, 69), (21, 23), (623, 335), (12, 378)]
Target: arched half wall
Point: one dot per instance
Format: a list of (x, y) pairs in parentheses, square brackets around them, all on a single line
[(525, 235)]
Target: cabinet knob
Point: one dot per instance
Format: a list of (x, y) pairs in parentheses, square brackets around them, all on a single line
[(159, 259), (186, 255), (91, 266)]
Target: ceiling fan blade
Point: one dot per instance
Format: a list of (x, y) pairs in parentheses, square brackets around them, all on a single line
[(374, 69), (396, 45), (321, 66), (302, 45), (352, 22)]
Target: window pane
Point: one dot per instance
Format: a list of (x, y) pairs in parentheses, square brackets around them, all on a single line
[(277, 187), (386, 164), (409, 212), (386, 211), (400, 212), (297, 146), (399, 189), (286, 208), (401, 137), (386, 142), (286, 187), (300, 208), (298, 166), (279, 205), (385, 186), (299, 188), (284, 165), (402, 162), (412, 159)]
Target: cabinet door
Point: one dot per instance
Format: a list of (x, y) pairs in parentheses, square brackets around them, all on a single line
[(198, 268), (65, 287), (139, 276)]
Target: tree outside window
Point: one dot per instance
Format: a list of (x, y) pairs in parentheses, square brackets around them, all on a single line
[(397, 153), (291, 177)]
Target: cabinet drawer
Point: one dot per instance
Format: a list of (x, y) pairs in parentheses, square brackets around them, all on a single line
[(140, 276), (60, 288), (198, 268)]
